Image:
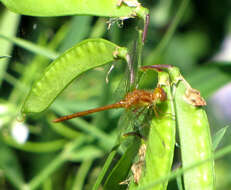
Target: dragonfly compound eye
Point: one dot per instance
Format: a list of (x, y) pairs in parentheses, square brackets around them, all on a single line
[(159, 94)]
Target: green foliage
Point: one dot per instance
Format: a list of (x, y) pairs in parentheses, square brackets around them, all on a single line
[(122, 168), (219, 136), (49, 66)]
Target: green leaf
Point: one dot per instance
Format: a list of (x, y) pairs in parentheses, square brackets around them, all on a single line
[(38, 147), (122, 168), (72, 63), (79, 28), (105, 168), (10, 166), (8, 26), (218, 137), (82, 174), (30, 46), (85, 153)]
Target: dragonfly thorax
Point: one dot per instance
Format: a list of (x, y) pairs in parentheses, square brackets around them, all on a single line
[(138, 98)]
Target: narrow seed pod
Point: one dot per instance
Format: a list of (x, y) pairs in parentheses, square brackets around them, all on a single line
[(194, 132), (62, 71), (160, 143), (108, 8), (195, 139)]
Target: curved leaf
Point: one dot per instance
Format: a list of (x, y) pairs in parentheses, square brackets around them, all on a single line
[(219, 136), (120, 171), (10, 166)]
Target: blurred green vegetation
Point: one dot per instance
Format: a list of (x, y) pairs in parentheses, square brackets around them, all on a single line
[(193, 45)]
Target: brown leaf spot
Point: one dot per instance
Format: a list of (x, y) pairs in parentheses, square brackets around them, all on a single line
[(193, 97), (138, 166)]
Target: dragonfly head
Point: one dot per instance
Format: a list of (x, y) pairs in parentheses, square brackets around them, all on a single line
[(159, 95)]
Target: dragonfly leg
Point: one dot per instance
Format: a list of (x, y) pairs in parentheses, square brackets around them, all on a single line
[(164, 115), (156, 67), (137, 134), (156, 112)]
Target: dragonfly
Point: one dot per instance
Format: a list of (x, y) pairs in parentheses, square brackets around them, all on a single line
[(133, 100)]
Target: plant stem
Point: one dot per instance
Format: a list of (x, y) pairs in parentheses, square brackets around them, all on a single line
[(31, 47), (81, 175), (140, 48), (36, 147), (64, 130), (104, 169)]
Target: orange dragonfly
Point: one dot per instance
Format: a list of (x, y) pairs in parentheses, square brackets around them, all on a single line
[(133, 100)]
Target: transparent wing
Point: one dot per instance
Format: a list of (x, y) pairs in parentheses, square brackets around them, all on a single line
[(137, 123)]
